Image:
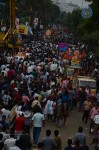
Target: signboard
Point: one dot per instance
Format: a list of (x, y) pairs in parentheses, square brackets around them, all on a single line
[(87, 12), (22, 29)]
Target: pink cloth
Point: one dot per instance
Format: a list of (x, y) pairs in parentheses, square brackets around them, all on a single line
[(25, 99), (93, 112), (64, 84)]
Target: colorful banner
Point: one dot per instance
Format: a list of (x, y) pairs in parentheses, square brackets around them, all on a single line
[(22, 29), (63, 47), (75, 59)]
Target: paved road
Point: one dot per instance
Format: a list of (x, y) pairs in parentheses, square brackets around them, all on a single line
[(69, 130)]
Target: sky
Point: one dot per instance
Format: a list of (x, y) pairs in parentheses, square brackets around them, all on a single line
[(81, 3)]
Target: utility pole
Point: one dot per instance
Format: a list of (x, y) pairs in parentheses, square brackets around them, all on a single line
[(12, 16)]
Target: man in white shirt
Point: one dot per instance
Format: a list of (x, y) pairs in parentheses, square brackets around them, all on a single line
[(2, 67), (17, 145), (53, 67), (96, 122), (4, 72), (5, 112), (30, 68), (9, 142), (38, 122)]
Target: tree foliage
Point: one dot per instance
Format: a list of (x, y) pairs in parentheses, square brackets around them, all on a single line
[(26, 10), (86, 29), (46, 11)]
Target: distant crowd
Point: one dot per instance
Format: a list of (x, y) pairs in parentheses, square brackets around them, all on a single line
[(35, 88)]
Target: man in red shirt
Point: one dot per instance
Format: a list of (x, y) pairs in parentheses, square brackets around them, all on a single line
[(10, 74), (16, 96), (19, 123), (12, 85)]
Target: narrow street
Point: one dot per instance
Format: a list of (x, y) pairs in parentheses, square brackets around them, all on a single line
[(69, 130)]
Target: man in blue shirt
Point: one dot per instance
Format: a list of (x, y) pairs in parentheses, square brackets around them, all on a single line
[(48, 142)]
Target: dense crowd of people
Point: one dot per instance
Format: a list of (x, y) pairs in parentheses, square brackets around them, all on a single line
[(35, 88)]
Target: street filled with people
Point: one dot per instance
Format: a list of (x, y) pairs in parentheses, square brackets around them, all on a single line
[(36, 87)]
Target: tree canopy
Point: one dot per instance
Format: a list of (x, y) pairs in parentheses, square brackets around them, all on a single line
[(44, 9), (86, 29)]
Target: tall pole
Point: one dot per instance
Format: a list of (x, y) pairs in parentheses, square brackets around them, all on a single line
[(82, 4), (12, 16)]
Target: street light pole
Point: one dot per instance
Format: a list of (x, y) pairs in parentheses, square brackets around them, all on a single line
[(12, 16)]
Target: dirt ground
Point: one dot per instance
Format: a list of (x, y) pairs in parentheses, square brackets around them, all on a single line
[(70, 129)]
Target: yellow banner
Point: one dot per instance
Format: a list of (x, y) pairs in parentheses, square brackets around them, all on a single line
[(22, 29)]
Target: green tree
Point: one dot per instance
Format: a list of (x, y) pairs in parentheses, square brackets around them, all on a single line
[(86, 29), (46, 10)]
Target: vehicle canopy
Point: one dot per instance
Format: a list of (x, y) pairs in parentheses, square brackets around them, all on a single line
[(85, 82)]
